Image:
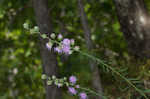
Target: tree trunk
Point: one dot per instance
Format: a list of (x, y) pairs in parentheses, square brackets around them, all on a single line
[(96, 82), (48, 58), (135, 24)]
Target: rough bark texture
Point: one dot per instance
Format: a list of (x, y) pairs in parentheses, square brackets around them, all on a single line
[(48, 58), (135, 24), (96, 82)]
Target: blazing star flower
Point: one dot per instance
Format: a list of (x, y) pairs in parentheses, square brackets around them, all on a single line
[(83, 95), (66, 41), (72, 79), (48, 46), (72, 90), (60, 36)]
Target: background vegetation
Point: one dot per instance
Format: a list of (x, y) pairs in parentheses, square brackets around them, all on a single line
[(20, 61)]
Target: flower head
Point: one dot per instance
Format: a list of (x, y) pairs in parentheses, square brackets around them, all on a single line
[(66, 49), (72, 79), (72, 90), (83, 95), (66, 41)]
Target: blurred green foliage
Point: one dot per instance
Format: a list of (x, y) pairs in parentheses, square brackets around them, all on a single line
[(20, 61)]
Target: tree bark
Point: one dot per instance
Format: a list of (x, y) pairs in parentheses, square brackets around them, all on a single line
[(49, 61), (96, 81), (135, 24)]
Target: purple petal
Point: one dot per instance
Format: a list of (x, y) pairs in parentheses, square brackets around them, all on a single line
[(66, 41), (66, 49), (77, 86), (72, 90), (72, 79), (48, 46), (60, 36), (57, 49), (83, 95)]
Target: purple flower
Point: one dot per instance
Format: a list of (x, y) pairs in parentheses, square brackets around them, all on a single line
[(59, 85), (83, 95), (60, 36), (72, 41), (48, 46), (72, 90), (77, 86), (57, 49), (72, 79), (66, 49), (66, 41)]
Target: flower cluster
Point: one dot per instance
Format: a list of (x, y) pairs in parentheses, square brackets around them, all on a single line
[(73, 88), (56, 42), (65, 45)]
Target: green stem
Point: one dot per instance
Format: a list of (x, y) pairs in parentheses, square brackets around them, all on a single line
[(113, 70)]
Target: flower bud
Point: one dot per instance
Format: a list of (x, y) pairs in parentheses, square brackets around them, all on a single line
[(60, 37), (36, 29), (72, 41), (43, 76), (53, 36), (65, 78), (26, 26), (49, 82), (70, 52), (76, 48), (53, 77)]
